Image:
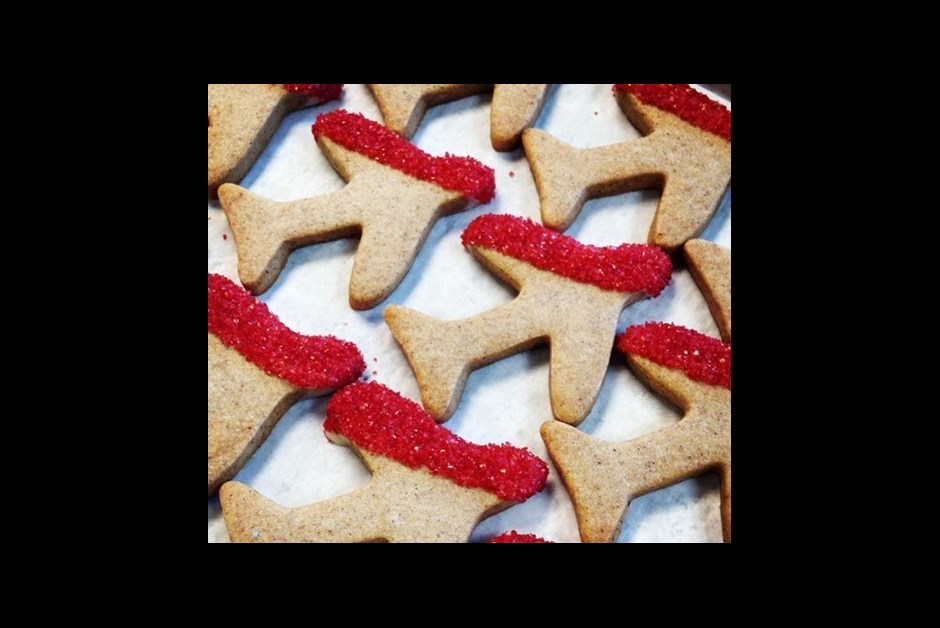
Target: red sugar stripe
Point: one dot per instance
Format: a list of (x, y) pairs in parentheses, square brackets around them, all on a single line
[(385, 423), (515, 537), (681, 100), (625, 268), (325, 92), (356, 132), (247, 325), (700, 357)]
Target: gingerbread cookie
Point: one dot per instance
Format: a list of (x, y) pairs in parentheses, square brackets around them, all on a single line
[(691, 370), (515, 107), (394, 195), (570, 297), (258, 369), (686, 152), (242, 119), (428, 484)]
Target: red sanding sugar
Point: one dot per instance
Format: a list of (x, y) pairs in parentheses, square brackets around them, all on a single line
[(681, 100), (700, 357), (383, 422), (624, 268), (356, 132), (515, 537), (246, 324)]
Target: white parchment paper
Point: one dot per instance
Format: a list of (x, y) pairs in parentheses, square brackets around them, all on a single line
[(506, 401)]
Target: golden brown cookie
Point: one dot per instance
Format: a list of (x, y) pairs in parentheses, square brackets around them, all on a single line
[(570, 297), (395, 194), (692, 371), (428, 484), (515, 106), (242, 119), (710, 266), (686, 152), (258, 369)]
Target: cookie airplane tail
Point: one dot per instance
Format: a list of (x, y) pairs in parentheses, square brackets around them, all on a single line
[(440, 378), (588, 468), (262, 252), (557, 169), (256, 513)]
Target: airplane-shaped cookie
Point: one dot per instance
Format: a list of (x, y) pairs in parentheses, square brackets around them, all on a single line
[(692, 371), (258, 369), (686, 152), (242, 119), (515, 106), (394, 195), (570, 297), (428, 484)]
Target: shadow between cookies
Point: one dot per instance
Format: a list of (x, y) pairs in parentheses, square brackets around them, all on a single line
[(677, 503)]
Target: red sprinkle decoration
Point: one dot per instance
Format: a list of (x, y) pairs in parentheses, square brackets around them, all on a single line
[(625, 268), (225, 236), (324, 92), (383, 422), (515, 537), (681, 100), (511, 174), (247, 325), (701, 357), (356, 132)]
